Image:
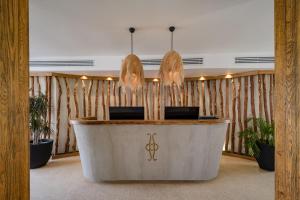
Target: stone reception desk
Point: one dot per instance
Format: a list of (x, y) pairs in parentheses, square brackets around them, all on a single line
[(150, 150)]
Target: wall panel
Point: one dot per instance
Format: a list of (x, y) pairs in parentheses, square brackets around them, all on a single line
[(236, 99)]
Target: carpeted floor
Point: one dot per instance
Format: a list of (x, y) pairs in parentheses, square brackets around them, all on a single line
[(238, 179)]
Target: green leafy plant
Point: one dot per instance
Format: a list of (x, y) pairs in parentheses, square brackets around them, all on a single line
[(38, 124), (263, 133)]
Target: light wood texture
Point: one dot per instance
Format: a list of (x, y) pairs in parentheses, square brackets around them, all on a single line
[(103, 99), (65, 155), (245, 121), (210, 98), (271, 94), (49, 95), (90, 98), (75, 96), (265, 97), (253, 102), (67, 144), (97, 98), (239, 85), (227, 114), (192, 93), (39, 85), (233, 121), (260, 96), (203, 97), (155, 122), (14, 83), (221, 98), (58, 103), (287, 98), (32, 86), (83, 97), (214, 87)]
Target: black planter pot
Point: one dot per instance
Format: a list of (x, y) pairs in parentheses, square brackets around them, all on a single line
[(266, 157), (40, 153)]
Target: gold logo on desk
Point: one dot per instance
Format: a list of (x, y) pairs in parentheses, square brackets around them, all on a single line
[(152, 147)]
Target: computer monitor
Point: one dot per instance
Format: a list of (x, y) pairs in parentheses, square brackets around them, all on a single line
[(181, 112), (126, 113)]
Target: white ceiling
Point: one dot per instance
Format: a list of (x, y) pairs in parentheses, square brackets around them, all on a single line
[(87, 28)]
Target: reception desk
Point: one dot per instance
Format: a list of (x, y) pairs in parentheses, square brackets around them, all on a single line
[(150, 150)]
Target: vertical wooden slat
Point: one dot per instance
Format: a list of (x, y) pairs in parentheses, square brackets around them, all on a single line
[(153, 101), (210, 98), (271, 98), (103, 100), (198, 92), (90, 98), (187, 94), (14, 83), (174, 95), (192, 93), (58, 114), (83, 98), (246, 86), (183, 93), (227, 115), (146, 100), (67, 144), (120, 95), (108, 98), (215, 109), (75, 96), (253, 102), (97, 98), (32, 86), (203, 97), (287, 98), (170, 95), (233, 116), (114, 93), (260, 105), (179, 95), (265, 98), (221, 98), (49, 101), (39, 85), (239, 85), (158, 101)]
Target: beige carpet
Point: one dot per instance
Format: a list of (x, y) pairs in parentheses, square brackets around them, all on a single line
[(238, 179)]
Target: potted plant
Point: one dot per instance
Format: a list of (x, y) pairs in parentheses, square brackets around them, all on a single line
[(260, 142), (40, 146)]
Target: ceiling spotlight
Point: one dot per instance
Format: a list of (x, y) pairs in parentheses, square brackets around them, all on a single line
[(228, 76)]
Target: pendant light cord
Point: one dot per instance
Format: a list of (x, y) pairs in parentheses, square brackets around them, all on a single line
[(171, 41), (131, 35)]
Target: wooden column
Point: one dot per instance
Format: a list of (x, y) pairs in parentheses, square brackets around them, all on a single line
[(14, 83), (287, 99)]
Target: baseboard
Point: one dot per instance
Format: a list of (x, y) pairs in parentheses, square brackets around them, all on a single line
[(226, 153), (65, 155)]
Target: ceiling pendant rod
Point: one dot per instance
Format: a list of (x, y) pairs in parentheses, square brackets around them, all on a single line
[(172, 29), (131, 30)]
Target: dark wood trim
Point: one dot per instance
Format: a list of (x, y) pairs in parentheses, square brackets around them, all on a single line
[(65, 155), (143, 122)]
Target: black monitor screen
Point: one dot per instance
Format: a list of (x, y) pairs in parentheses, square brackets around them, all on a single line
[(181, 112), (126, 113)]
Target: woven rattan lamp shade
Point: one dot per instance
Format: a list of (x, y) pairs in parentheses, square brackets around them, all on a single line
[(171, 67), (132, 73)]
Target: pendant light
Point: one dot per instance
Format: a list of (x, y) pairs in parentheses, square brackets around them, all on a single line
[(171, 68), (132, 72)]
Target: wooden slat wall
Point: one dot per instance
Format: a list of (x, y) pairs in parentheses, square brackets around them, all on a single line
[(235, 99)]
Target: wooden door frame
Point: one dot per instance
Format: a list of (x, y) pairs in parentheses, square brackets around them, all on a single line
[(14, 97), (287, 99)]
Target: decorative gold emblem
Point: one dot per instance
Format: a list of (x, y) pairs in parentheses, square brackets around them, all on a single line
[(152, 147)]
